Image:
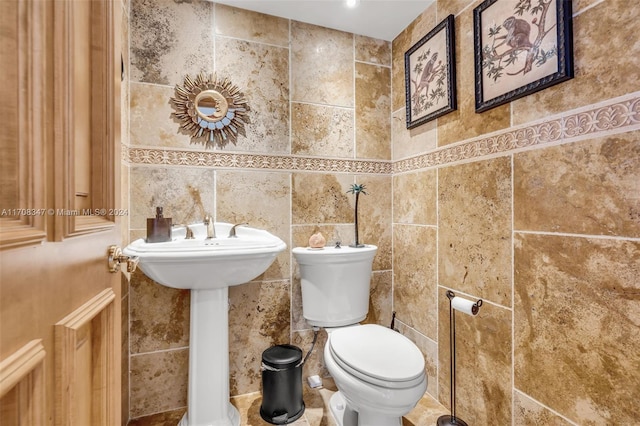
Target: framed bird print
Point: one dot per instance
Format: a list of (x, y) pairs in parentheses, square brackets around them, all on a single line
[(429, 75), (521, 47)]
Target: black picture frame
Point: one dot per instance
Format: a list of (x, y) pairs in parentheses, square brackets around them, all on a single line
[(430, 83), (508, 63)]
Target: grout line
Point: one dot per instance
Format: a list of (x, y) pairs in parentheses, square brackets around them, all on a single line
[(437, 344), (160, 351), (515, 390), (565, 234), (513, 285)]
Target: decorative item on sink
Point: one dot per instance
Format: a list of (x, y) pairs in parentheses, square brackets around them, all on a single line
[(357, 189), (211, 110)]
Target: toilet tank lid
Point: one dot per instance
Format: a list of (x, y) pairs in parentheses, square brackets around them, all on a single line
[(378, 352)]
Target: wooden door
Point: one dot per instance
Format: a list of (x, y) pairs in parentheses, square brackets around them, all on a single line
[(59, 212)]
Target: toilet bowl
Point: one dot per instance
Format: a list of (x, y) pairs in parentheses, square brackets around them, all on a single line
[(379, 373)]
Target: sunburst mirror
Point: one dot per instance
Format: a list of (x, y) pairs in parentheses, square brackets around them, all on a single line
[(211, 111)]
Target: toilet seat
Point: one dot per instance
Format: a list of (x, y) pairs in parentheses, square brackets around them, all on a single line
[(378, 355)]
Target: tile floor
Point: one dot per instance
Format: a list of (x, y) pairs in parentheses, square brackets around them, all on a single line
[(316, 412)]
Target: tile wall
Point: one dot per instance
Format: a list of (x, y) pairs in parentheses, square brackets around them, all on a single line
[(533, 206), (320, 122)]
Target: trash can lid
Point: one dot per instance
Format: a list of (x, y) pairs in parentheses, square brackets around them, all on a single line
[(282, 356)]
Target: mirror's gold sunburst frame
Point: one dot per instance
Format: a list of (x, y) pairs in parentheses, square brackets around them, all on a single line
[(229, 110)]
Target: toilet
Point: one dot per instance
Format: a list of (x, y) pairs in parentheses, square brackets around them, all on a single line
[(379, 373)]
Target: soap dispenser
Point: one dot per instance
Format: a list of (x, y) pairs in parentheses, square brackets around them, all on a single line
[(158, 228)]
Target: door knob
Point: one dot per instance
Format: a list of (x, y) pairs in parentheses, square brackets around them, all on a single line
[(115, 258)]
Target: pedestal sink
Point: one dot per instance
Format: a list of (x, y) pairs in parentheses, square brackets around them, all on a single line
[(208, 266)]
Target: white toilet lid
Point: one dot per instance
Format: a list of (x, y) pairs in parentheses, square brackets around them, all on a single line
[(377, 352)]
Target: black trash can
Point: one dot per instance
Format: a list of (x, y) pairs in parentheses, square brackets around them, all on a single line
[(282, 384)]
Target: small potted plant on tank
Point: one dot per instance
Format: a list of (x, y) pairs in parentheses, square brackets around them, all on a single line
[(357, 189)]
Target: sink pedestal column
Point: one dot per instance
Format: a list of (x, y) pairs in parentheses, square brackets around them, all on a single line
[(209, 361)]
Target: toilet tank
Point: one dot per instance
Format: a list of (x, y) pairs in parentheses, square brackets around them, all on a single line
[(335, 284)]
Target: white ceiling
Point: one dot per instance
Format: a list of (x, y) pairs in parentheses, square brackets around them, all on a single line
[(383, 19)]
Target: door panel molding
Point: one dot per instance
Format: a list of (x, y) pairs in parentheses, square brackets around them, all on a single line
[(85, 357), (87, 115), (22, 392), (23, 222)]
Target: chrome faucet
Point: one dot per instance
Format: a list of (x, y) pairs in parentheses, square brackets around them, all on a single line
[(211, 229)]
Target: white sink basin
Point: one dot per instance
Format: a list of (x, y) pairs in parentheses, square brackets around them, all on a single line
[(208, 267), (202, 263)]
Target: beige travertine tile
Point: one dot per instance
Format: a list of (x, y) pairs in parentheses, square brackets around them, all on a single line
[(321, 198), (321, 130), (579, 6), (589, 187), (372, 50), (159, 382), (261, 72), (374, 222), (381, 299), (160, 419), (373, 92), (597, 50), (251, 26), (260, 199), (483, 362), (455, 7), (125, 204), (314, 78), (414, 277), (168, 40), (318, 412), (464, 123), (258, 319), (415, 198), (314, 365), (474, 249), (429, 349), (150, 117), (186, 194), (425, 413), (576, 321), (403, 42), (159, 316), (527, 412), (407, 143)]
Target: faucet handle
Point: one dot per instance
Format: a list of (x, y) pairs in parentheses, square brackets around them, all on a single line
[(188, 232), (207, 219), (232, 232)]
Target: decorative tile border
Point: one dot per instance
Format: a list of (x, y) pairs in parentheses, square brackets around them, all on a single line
[(157, 156), (613, 116)]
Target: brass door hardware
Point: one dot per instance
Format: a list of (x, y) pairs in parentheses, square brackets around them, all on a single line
[(115, 258)]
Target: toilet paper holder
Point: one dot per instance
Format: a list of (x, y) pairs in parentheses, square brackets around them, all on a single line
[(470, 308)]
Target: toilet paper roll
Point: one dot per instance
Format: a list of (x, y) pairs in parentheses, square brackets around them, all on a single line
[(463, 305)]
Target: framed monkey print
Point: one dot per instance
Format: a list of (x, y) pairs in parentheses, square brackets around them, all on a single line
[(521, 47)]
